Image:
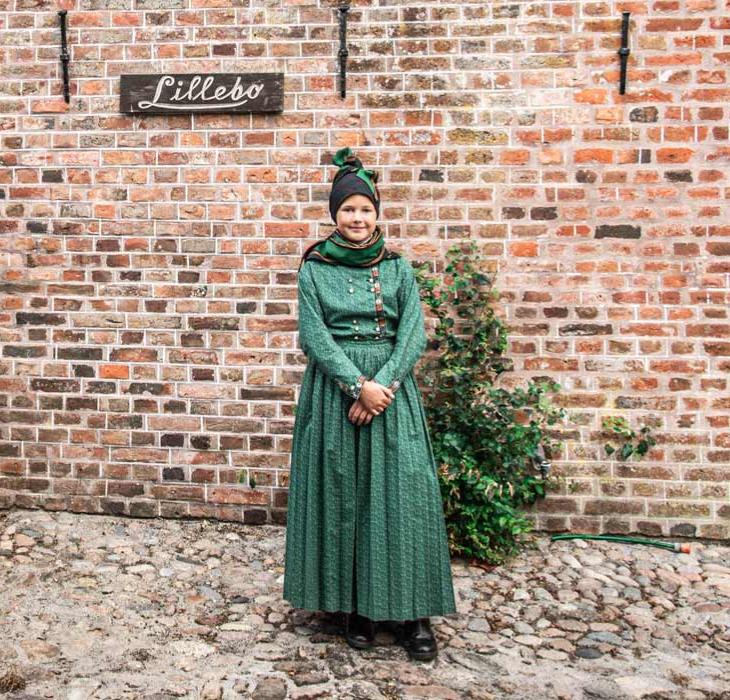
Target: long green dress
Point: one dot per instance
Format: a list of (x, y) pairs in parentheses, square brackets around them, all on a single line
[(365, 525)]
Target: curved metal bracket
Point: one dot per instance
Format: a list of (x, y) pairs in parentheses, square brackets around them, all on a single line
[(624, 52), (65, 58), (343, 52)]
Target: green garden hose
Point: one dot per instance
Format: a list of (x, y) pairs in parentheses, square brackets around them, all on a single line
[(682, 547)]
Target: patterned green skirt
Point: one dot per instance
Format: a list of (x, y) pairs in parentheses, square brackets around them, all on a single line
[(365, 525)]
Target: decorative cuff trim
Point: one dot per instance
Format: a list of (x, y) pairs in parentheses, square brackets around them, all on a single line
[(353, 389)]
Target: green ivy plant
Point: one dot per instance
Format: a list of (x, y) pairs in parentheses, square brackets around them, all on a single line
[(630, 443), (241, 479), (486, 439)]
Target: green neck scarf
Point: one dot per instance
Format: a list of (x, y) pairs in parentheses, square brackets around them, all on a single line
[(337, 250)]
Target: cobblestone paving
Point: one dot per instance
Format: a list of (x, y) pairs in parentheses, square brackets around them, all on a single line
[(109, 607)]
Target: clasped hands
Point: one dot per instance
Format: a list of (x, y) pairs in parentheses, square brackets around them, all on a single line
[(374, 399)]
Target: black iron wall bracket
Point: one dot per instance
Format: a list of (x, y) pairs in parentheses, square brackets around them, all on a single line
[(624, 52), (343, 52), (64, 56)]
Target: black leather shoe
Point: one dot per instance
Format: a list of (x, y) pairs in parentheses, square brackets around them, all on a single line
[(359, 631), (418, 640)]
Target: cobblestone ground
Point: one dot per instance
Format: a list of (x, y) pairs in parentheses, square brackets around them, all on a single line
[(108, 607)]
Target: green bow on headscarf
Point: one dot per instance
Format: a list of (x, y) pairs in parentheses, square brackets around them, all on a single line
[(346, 159)]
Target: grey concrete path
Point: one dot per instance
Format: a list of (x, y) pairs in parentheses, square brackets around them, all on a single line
[(108, 607)]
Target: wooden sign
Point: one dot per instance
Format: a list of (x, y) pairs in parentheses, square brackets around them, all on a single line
[(202, 93)]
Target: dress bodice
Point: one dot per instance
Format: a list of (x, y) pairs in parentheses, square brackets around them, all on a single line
[(360, 303)]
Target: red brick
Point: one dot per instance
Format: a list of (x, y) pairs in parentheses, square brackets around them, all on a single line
[(49, 106), (114, 371), (593, 155), (245, 496), (674, 155), (667, 24), (293, 230)]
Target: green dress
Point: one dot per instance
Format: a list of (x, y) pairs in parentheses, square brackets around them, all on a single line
[(365, 524)]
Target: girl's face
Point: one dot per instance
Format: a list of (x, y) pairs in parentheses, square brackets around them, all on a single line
[(356, 218)]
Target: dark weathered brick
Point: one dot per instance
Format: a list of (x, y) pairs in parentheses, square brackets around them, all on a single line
[(614, 506), (24, 351), (143, 509), (273, 393), (586, 329), (172, 440), (254, 516), (644, 114), (618, 231), (544, 213), (154, 388), (101, 387), (83, 371), (173, 473), (200, 442), (23, 318), (214, 323), (678, 175), (55, 385), (78, 353), (78, 403), (52, 176), (430, 175)]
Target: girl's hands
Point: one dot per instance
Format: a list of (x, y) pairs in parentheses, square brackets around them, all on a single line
[(359, 415), (374, 399)]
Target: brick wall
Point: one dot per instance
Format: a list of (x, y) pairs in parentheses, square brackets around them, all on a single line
[(148, 361)]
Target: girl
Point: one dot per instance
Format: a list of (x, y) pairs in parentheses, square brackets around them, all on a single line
[(365, 528)]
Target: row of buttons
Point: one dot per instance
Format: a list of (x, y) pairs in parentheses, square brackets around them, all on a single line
[(375, 288)]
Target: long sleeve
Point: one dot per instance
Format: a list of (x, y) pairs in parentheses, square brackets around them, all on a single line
[(411, 337), (316, 341)]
